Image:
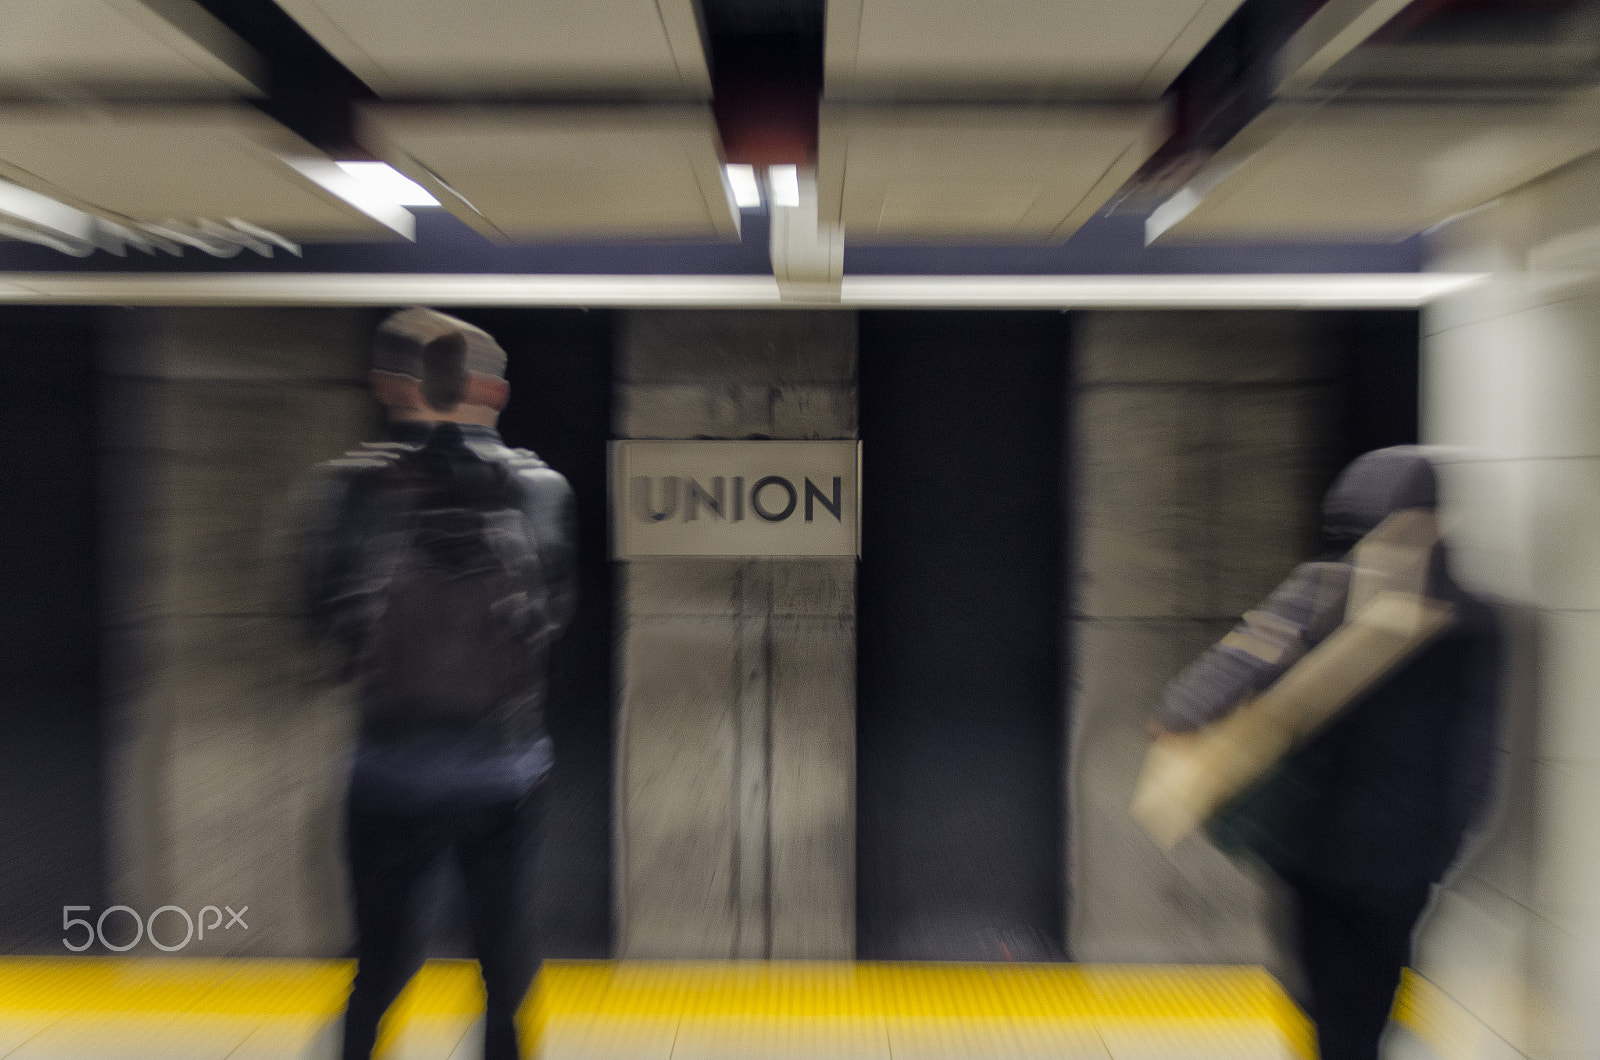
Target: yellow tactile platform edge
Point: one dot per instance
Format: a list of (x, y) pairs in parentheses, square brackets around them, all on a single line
[(1171, 999), (1432, 1015)]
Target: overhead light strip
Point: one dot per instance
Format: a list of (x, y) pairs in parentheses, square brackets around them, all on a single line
[(1305, 291), (372, 199), (1311, 290), (785, 182), (746, 189), (387, 184)]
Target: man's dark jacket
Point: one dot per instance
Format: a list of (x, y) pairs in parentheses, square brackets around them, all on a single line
[(336, 516), (1374, 807)]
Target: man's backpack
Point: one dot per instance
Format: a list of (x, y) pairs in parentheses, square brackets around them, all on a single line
[(449, 617)]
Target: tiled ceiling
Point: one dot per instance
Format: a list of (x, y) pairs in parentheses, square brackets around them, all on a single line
[(942, 120), (148, 164), (564, 172), (948, 49), (1383, 171), (1024, 174), (491, 48), (127, 48)]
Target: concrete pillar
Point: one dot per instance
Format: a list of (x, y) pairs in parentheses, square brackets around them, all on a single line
[(225, 759), (736, 727), (1511, 385), (1199, 443)]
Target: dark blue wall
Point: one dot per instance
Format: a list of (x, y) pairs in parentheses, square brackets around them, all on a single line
[(52, 761), (959, 635)]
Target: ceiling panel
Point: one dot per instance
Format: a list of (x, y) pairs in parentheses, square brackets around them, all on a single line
[(1379, 171), (121, 48), (154, 164), (564, 172), (469, 49), (904, 49), (1000, 173)]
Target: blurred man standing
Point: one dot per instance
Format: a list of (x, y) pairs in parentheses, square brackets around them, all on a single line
[(440, 565), (1368, 813)]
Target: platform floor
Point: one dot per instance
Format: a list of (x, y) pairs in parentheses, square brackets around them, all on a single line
[(192, 1009)]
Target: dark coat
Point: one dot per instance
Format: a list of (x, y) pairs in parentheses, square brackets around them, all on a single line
[(338, 508), (1374, 807), (1407, 771)]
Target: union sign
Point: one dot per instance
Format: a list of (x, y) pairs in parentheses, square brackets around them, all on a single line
[(735, 499)]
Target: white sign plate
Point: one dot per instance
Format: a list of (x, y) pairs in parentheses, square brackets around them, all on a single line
[(735, 499)]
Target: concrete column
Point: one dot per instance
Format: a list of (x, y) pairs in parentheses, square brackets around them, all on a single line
[(1511, 385), (226, 761), (736, 728), (1199, 445)]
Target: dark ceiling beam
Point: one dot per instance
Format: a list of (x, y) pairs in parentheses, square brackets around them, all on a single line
[(766, 78), (308, 90), (1227, 84)]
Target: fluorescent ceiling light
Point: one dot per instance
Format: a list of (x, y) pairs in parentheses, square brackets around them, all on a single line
[(382, 179), (1054, 292), (746, 191), (334, 178), (785, 185), (1243, 291), (1170, 213)]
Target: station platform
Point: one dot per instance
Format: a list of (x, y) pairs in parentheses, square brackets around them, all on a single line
[(236, 1009)]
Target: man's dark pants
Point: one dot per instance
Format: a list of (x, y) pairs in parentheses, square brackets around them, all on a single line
[(1353, 954), (394, 857)]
